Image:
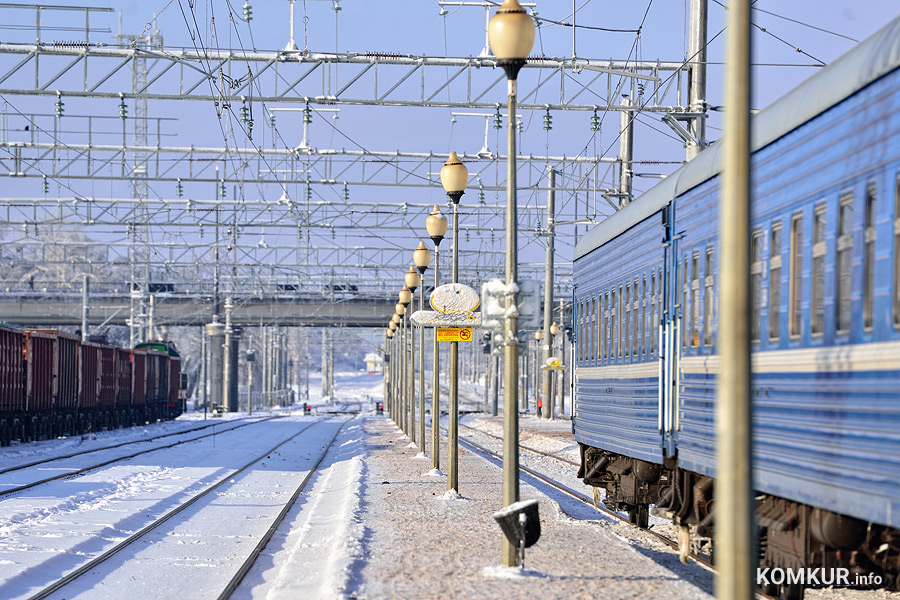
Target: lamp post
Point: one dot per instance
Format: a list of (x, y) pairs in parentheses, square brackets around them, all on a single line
[(511, 35), (404, 372), (385, 369), (539, 373), (436, 226), (395, 377), (550, 400), (421, 257), (412, 282), (454, 177)]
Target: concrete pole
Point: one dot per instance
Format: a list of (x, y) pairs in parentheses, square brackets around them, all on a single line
[(325, 391), (735, 528), (228, 359), (249, 387), (233, 399), (435, 379), (151, 320), (697, 75), (626, 146), (525, 361), (85, 306), (547, 338), (201, 384), (412, 375), (510, 339), (216, 333), (495, 376)]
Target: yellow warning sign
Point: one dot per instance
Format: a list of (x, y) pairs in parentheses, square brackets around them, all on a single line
[(454, 334)]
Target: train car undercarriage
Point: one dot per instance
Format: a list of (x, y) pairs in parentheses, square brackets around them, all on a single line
[(799, 545)]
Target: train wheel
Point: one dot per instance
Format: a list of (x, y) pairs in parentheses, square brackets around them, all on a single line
[(640, 516)]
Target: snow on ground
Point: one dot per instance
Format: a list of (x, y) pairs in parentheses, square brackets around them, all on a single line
[(374, 523)]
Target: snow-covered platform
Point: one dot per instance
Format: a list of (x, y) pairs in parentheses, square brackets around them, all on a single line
[(422, 543)]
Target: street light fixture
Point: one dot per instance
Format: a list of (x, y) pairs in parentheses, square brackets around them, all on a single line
[(421, 258), (412, 282), (454, 177), (405, 297), (511, 35), (394, 325), (436, 226)]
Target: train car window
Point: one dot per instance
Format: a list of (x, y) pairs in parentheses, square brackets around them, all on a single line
[(654, 319), (581, 331), (622, 318), (593, 328), (645, 308), (708, 300), (637, 315), (695, 300), (897, 252), (844, 264), (755, 284), (685, 309), (795, 296), (627, 329), (869, 260), (775, 282), (613, 330), (604, 309), (599, 326), (817, 316)]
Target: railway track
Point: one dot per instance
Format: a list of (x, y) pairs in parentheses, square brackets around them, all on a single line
[(221, 486), (478, 448), (78, 471)]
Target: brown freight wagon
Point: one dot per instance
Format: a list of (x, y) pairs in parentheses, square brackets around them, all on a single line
[(39, 376), (12, 385), (174, 406), (139, 385), (123, 398), (157, 384)]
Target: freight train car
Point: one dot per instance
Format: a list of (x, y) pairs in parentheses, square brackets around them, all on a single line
[(825, 328), (53, 384)]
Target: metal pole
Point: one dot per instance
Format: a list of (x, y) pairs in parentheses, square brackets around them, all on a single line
[(697, 75), (412, 375), (201, 384), (495, 376), (85, 306), (228, 359), (626, 151), (547, 337), (435, 380), (325, 363), (249, 387), (735, 527), (151, 319), (422, 370), (510, 341), (453, 417)]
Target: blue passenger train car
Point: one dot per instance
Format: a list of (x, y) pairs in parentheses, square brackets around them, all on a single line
[(825, 323)]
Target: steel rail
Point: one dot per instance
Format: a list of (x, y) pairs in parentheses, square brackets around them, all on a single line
[(260, 546), (27, 486), (144, 531), (91, 451)]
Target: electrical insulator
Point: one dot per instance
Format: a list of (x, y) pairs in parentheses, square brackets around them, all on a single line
[(444, 12), (332, 232), (534, 17), (520, 126), (480, 195), (222, 189), (308, 193), (272, 120), (179, 189), (123, 109), (245, 113), (60, 105), (336, 6), (346, 193), (45, 185), (201, 231), (595, 122), (548, 121), (498, 120), (248, 12), (307, 115)]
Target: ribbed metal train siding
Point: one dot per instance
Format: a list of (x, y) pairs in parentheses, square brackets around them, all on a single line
[(12, 370), (617, 401), (826, 417)]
